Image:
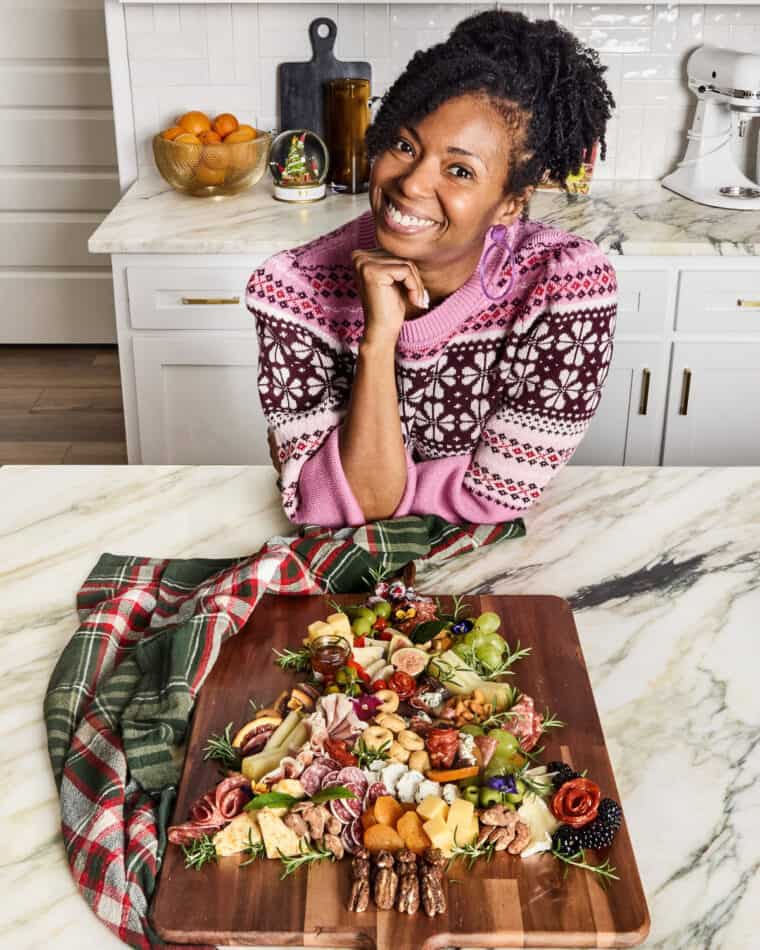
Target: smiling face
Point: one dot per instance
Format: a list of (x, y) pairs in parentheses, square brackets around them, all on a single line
[(449, 172)]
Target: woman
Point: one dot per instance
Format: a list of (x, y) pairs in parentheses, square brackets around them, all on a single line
[(442, 353)]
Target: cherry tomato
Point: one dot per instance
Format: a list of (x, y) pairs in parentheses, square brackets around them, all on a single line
[(360, 671), (380, 624), (378, 685), (402, 683), (359, 641), (384, 635), (338, 749)]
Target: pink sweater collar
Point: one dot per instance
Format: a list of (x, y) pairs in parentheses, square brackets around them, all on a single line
[(438, 324)]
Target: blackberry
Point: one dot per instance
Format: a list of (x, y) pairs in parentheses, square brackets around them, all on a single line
[(563, 773), (566, 840), (610, 813), (597, 834)]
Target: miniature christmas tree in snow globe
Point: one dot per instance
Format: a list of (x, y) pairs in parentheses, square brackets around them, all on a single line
[(298, 162)]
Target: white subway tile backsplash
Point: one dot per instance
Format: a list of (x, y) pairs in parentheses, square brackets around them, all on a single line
[(224, 56)]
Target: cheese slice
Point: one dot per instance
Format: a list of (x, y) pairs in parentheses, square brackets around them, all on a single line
[(535, 813)]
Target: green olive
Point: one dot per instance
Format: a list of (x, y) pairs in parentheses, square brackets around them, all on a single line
[(472, 729), (471, 794), (489, 796)]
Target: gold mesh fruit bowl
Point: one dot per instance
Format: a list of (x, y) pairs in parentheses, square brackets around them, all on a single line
[(223, 168)]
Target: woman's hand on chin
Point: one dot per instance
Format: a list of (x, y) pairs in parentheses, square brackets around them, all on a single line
[(386, 286)]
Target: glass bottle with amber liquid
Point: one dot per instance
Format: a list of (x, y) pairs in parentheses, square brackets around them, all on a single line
[(348, 115)]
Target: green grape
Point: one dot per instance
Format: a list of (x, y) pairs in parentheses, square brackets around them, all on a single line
[(506, 743), (382, 609), (361, 627), (461, 650), (488, 622), (476, 638), (367, 613), (473, 730), (496, 641), (489, 657)]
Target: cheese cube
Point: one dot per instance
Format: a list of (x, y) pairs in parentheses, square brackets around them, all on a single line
[(341, 626), (433, 807), (460, 815), (440, 834), (318, 628), (278, 838), (467, 833)]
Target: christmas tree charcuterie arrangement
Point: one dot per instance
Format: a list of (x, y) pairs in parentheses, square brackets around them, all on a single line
[(404, 745)]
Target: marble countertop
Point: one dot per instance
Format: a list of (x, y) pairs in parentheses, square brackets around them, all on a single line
[(661, 566), (639, 218)]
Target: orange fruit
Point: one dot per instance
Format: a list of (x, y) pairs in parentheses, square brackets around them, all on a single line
[(189, 138), (208, 176), (244, 133), (195, 122), (225, 123), (210, 137), (215, 156), (172, 133)]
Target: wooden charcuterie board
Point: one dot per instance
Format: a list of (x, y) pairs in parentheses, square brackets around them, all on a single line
[(509, 902)]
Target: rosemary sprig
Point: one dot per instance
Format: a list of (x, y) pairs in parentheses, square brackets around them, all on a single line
[(535, 785), (459, 608), (445, 672), (295, 660), (337, 608), (550, 721), (220, 748), (255, 706), (605, 870), (308, 855), (470, 853), (500, 718), (367, 756), (199, 852), (377, 574), (256, 850), (510, 657)]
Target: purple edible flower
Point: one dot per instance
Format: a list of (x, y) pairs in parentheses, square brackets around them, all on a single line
[(459, 628), (502, 783), (365, 707)]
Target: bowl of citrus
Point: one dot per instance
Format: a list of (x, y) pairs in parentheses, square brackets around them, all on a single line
[(204, 157)]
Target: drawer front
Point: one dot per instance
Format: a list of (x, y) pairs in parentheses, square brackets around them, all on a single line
[(189, 298), (642, 301), (724, 301)]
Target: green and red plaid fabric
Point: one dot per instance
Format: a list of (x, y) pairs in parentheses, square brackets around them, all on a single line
[(119, 700)]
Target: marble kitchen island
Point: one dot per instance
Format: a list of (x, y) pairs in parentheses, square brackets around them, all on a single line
[(661, 566)]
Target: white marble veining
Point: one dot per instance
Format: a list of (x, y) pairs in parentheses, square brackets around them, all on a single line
[(661, 565), (622, 217)]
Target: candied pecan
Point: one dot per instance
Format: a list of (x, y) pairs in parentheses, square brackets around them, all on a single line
[(431, 883), (334, 844), (408, 901), (442, 747), (521, 839), (386, 881), (359, 898), (498, 815), (500, 838)]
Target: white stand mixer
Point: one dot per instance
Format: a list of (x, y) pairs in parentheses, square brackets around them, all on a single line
[(727, 85)]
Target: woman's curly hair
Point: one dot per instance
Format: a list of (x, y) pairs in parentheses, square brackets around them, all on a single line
[(544, 83)]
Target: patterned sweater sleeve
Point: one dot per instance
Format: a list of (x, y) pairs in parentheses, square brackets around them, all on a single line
[(304, 379), (551, 382)]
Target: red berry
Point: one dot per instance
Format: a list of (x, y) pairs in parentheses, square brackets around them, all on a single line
[(378, 685), (385, 636), (359, 641), (380, 624)]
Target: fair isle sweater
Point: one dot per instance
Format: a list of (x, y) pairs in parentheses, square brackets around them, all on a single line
[(494, 397)]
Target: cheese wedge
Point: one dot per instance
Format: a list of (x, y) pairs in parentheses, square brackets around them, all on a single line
[(235, 837), (278, 838), (433, 807)]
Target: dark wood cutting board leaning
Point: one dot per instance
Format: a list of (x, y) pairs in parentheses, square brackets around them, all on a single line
[(302, 86)]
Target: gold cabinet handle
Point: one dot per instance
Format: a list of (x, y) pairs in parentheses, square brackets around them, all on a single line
[(209, 301), (741, 302), (644, 394), (683, 409)]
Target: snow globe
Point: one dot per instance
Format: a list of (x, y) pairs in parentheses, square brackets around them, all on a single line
[(299, 161)]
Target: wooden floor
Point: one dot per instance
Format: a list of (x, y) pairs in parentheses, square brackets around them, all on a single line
[(61, 405)]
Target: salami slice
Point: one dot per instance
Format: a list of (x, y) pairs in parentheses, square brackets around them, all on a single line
[(311, 779), (354, 805), (353, 776), (348, 840), (373, 793), (338, 808), (330, 765), (357, 832), (330, 777)]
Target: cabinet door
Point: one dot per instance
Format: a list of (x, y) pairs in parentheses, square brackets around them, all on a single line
[(713, 413), (627, 426), (198, 400)]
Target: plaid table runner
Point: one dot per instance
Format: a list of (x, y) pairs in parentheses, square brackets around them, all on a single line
[(120, 697)]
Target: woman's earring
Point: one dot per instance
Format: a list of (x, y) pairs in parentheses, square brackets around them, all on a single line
[(499, 242)]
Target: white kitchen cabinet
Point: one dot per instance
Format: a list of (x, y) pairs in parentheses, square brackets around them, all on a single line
[(197, 400), (627, 426), (713, 415)]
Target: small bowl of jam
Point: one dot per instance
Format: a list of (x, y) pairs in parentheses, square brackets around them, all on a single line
[(329, 653)]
